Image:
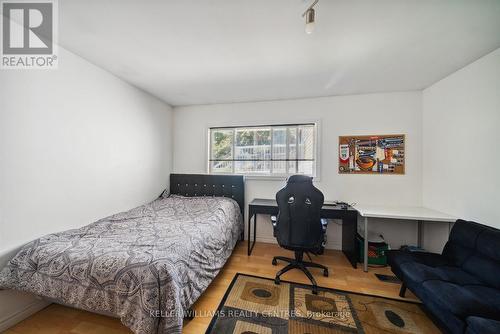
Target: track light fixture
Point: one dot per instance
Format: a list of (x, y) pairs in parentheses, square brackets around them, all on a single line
[(310, 14)]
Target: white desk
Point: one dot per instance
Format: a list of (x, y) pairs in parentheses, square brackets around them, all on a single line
[(419, 214)]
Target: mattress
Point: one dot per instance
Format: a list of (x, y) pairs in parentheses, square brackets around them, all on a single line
[(146, 266)]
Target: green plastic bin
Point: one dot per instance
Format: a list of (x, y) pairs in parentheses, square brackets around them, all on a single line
[(376, 251)]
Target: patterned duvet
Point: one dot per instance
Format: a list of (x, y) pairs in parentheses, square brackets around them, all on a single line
[(145, 266)]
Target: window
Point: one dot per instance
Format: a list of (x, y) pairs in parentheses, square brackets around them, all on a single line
[(270, 150)]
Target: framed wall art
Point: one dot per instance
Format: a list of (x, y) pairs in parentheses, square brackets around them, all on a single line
[(377, 154)]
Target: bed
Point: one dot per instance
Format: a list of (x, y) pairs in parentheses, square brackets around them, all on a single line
[(146, 266)]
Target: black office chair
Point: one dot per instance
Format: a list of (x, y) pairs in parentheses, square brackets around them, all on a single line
[(299, 226)]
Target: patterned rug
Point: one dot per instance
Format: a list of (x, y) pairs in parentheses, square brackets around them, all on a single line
[(255, 305)]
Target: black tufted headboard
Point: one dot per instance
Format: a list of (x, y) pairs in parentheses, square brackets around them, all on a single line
[(232, 186)]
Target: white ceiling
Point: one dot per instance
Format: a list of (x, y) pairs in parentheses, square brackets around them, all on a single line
[(218, 51)]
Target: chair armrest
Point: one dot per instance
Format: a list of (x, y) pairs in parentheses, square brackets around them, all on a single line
[(324, 224), (274, 221)]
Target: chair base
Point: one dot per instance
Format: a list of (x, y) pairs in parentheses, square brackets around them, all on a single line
[(298, 263)]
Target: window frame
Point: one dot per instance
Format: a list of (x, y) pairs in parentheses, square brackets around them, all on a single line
[(317, 147)]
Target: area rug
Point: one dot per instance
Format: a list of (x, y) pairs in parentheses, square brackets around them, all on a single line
[(255, 305)]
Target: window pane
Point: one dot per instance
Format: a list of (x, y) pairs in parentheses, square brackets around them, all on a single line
[(252, 167), (292, 142), (305, 138), (263, 145), (222, 144), (292, 167), (276, 150), (244, 137), (221, 166), (305, 167), (263, 137), (292, 150), (252, 144), (243, 148), (279, 150)]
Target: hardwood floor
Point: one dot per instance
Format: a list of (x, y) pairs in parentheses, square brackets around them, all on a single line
[(57, 319)]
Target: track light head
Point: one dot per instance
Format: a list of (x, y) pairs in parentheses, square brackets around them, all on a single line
[(310, 20), (310, 16)]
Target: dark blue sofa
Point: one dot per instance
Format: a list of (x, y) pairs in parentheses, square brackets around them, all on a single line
[(461, 286)]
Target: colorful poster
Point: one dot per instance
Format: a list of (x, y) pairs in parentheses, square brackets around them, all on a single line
[(379, 154)]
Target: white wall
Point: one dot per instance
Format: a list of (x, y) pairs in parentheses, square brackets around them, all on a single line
[(76, 144), (343, 115), (461, 138)]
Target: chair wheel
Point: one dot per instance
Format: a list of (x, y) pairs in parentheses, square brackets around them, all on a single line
[(274, 262), (277, 281), (325, 273)]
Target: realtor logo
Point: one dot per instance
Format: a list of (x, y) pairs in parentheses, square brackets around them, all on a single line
[(29, 34)]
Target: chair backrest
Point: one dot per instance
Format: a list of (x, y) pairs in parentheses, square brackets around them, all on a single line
[(299, 218), (476, 249)]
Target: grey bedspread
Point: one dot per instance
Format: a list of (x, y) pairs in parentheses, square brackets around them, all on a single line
[(145, 266)]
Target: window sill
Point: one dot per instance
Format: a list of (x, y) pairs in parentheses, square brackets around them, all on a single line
[(267, 177)]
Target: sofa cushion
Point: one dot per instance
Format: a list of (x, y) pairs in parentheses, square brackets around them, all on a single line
[(463, 301), (444, 319), (484, 269), (478, 325), (417, 273), (457, 254), (485, 263), (487, 243), (465, 233), (396, 258), (462, 241)]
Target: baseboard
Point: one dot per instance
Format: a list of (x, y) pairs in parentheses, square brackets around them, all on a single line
[(19, 315)]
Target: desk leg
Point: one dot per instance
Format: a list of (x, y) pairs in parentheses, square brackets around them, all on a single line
[(349, 243), (250, 243), (365, 250), (248, 234), (254, 230), (420, 235)]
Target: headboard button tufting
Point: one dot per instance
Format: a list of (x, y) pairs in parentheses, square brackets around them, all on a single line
[(198, 185)]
